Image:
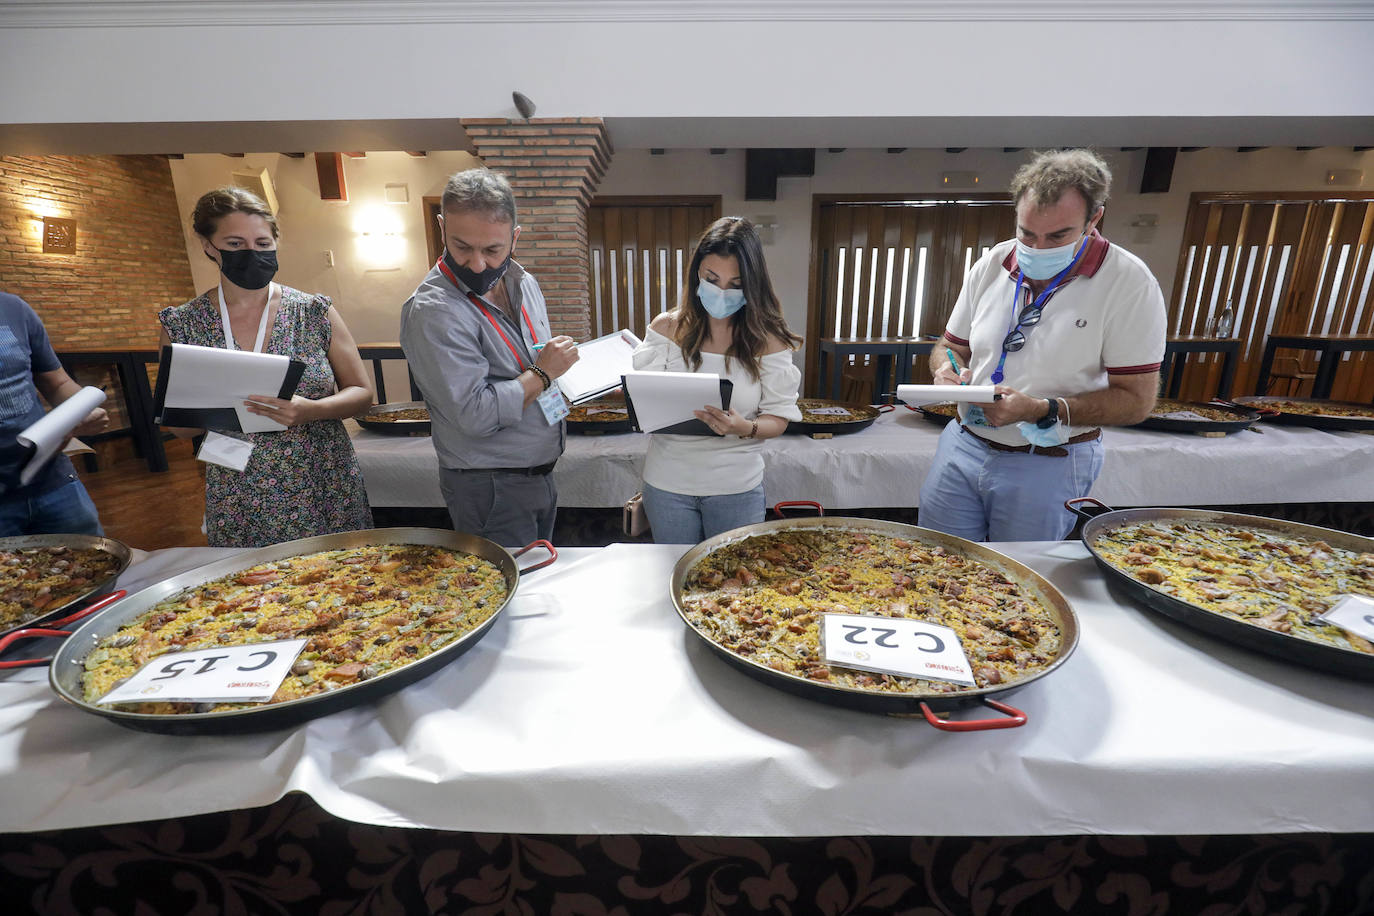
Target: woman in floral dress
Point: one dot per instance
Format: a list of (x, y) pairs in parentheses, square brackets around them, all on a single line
[(303, 480)]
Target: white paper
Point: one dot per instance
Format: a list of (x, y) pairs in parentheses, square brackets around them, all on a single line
[(895, 645), (600, 364), (202, 377), (47, 435), (665, 398), (250, 422), (925, 394), (222, 674), (225, 451), (1354, 614)]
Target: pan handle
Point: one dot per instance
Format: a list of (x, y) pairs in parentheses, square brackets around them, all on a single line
[(820, 510), (553, 555), (885, 408), (1097, 507), (32, 633), (99, 604), (1015, 717)]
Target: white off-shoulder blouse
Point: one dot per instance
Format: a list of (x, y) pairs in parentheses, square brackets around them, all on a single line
[(717, 465)]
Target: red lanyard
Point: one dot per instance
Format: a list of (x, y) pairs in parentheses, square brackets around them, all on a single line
[(477, 301)]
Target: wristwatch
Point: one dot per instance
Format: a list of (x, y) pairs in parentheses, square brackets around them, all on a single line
[(1050, 418)]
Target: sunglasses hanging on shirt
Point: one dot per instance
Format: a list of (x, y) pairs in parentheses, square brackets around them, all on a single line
[(1029, 316)]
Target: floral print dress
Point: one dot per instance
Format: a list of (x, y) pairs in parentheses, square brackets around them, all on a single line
[(299, 482)]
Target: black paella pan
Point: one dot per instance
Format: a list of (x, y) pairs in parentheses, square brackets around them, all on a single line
[(926, 705), (1233, 417), (835, 418), (1272, 407), (116, 550), (1325, 656), (69, 662), (374, 419)]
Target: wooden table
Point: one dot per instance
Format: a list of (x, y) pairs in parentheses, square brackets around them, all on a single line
[(883, 349), (376, 352), (1172, 369), (1330, 349), (138, 396)]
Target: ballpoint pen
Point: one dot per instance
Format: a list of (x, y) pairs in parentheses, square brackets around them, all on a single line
[(954, 364)]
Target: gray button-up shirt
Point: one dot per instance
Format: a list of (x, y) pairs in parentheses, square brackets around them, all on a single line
[(468, 375)]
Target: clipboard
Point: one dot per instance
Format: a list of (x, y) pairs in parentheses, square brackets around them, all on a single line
[(692, 427), (215, 416)]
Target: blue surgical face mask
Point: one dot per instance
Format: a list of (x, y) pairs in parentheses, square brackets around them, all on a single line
[(1056, 434), (1043, 263), (719, 303)]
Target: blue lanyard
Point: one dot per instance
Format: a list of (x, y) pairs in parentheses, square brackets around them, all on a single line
[(1040, 300)]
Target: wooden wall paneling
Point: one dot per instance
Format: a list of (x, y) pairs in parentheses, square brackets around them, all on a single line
[(1358, 315), (843, 283), (907, 260), (820, 273), (928, 290)]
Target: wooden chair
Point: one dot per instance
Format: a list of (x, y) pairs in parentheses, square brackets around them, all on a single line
[(1289, 369)]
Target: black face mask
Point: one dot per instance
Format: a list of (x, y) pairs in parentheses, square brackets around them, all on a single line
[(247, 268), (480, 283)]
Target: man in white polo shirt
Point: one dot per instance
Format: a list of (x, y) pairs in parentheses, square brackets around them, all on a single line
[(1070, 330)]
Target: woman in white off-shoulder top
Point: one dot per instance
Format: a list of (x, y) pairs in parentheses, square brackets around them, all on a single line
[(728, 321)]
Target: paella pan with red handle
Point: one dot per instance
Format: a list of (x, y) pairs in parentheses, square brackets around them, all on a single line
[(922, 574), (75, 567), (1226, 574), (252, 570)]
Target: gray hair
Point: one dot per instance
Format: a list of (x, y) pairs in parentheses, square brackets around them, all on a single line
[(482, 191), (1045, 178)]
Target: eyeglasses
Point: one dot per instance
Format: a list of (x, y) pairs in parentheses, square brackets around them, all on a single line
[(1029, 318)]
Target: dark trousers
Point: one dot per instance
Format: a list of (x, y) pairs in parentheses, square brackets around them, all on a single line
[(511, 509)]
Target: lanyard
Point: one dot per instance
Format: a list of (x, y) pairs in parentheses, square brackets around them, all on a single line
[(229, 341), (477, 301), (1040, 300)]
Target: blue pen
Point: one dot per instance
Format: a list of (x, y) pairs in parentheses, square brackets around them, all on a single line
[(954, 364)]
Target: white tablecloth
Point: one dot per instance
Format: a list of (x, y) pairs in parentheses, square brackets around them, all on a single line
[(589, 708), (884, 465)]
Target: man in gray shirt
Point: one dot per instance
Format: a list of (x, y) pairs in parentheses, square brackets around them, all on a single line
[(476, 335)]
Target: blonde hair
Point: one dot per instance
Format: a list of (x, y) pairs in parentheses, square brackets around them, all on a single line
[(1049, 175)]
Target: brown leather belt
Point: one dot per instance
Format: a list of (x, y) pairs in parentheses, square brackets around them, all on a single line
[(1050, 451)]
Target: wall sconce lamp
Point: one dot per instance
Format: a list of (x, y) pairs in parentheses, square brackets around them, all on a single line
[(59, 235), (523, 104)]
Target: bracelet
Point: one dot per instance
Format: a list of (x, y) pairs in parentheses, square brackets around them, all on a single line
[(543, 376), (753, 431)]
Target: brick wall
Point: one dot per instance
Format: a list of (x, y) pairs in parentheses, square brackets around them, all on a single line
[(554, 166), (130, 256)]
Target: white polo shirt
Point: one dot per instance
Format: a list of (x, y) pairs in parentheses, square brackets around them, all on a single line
[(1106, 318)]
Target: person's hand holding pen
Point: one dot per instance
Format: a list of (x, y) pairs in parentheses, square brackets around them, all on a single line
[(953, 375)]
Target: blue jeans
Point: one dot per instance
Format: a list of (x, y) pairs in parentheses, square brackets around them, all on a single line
[(675, 518), (979, 493), (65, 510)]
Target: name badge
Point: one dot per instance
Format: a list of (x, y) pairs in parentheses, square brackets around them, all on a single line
[(224, 674), (225, 451), (553, 405), (895, 645)]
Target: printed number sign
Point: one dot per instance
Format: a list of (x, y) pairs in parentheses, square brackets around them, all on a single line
[(831, 412), (223, 674), (895, 645), (1353, 613)]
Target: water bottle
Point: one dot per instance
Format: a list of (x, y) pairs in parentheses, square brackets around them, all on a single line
[(1226, 320)]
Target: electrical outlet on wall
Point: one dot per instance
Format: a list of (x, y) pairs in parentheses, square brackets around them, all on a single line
[(328, 258)]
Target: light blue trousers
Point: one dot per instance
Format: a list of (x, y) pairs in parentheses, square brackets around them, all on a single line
[(675, 518), (982, 494)]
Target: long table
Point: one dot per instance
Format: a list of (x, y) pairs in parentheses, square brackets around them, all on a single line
[(592, 710), (884, 465)]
